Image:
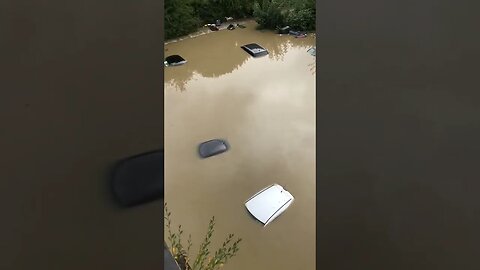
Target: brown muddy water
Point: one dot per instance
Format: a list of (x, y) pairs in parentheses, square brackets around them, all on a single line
[(265, 108)]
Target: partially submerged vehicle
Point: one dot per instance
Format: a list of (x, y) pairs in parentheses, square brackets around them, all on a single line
[(267, 204), (174, 60), (312, 51), (283, 30), (294, 33), (212, 148), (213, 27), (231, 27), (297, 34), (241, 25), (139, 179), (255, 50)]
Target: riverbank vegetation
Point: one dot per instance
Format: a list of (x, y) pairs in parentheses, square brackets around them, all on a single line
[(204, 259), (186, 16)]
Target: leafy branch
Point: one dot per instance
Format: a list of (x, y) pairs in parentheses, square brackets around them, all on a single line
[(202, 261)]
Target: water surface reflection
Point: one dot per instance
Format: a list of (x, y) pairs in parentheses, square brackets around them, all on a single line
[(219, 53)]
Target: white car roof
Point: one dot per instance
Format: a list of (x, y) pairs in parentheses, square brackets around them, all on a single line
[(268, 203)]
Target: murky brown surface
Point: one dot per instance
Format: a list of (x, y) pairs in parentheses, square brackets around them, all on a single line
[(265, 108)]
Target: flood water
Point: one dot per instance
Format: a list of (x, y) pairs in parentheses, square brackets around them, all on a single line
[(265, 108)]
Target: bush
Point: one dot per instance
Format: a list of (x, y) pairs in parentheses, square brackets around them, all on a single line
[(269, 14), (202, 261), (185, 16), (211, 10), (179, 18), (299, 15), (303, 19)]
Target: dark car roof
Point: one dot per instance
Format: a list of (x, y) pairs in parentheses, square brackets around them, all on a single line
[(212, 148), (252, 46), (174, 59), (255, 50)]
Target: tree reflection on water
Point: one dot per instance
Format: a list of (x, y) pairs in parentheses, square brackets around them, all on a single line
[(220, 54)]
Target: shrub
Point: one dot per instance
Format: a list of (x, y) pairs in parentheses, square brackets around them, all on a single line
[(303, 19), (298, 14), (202, 261), (179, 18), (269, 14)]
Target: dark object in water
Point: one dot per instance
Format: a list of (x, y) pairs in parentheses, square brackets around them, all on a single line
[(241, 25), (294, 33), (139, 179), (212, 148), (218, 23), (302, 35), (284, 30), (213, 27), (231, 27), (255, 50), (174, 60)]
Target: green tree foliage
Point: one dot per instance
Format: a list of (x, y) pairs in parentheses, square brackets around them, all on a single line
[(180, 18), (298, 14), (303, 19), (211, 10), (185, 16), (270, 13), (208, 10)]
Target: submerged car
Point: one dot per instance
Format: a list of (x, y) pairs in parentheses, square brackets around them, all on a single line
[(294, 33), (174, 60), (212, 27), (283, 30), (267, 204), (212, 148), (255, 50)]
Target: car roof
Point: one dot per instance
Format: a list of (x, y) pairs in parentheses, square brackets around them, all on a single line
[(212, 148), (254, 49), (174, 59), (264, 204), (252, 46)]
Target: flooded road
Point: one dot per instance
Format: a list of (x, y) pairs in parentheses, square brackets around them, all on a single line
[(265, 108)]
